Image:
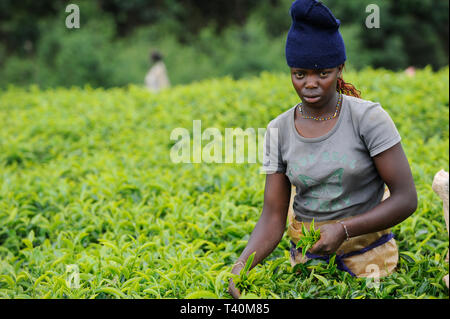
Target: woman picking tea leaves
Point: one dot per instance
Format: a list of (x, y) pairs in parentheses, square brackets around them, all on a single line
[(338, 152)]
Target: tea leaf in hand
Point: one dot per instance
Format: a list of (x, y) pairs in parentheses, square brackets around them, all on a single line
[(308, 239)]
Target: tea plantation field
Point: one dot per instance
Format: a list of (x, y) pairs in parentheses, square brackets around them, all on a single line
[(91, 205)]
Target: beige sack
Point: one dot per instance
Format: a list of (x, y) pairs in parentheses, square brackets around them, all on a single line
[(440, 187), (383, 258)]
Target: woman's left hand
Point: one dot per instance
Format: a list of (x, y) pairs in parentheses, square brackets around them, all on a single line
[(331, 238)]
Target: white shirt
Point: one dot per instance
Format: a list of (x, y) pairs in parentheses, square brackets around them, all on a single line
[(156, 78)]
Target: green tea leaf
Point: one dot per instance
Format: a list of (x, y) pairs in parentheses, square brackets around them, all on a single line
[(249, 262), (112, 291), (322, 279), (201, 294)]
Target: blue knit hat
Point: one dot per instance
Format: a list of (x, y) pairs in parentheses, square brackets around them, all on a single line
[(314, 41)]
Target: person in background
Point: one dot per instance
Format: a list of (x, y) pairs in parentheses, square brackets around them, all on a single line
[(410, 71), (156, 78)]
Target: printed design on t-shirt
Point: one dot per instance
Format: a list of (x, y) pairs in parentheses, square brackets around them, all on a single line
[(326, 194), (322, 196), (326, 157), (330, 188)]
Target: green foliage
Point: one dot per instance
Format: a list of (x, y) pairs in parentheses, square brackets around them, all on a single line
[(245, 281), (236, 38), (393, 45), (86, 180), (308, 238)]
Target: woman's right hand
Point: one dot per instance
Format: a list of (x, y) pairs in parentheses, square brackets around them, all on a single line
[(270, 227), (232, 290)]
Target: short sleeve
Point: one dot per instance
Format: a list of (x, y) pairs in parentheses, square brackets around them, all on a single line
[(377, 130), (272, 159)]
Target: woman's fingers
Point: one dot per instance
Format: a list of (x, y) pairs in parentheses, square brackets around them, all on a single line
[(317, 248), (233, 291)]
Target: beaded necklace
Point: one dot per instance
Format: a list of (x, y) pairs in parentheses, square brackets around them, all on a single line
[(338, 106)]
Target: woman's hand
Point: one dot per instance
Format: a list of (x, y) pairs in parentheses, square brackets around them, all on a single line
[(232, 290), (270, 227), (331, 238)]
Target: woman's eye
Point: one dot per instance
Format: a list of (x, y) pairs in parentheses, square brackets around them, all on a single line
[(300, 75)]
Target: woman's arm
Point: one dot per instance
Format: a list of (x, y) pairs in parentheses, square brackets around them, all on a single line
[(393, 167), (271, 225)]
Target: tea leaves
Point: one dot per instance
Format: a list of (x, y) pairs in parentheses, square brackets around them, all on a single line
[(308, 238), (91, 206)]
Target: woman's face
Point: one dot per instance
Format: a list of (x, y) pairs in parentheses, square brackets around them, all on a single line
[(316, 87)]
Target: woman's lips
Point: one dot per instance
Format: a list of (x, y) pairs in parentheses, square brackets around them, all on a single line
[(312, 99)]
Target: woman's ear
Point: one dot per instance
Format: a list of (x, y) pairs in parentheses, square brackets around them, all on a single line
[(339, 71)]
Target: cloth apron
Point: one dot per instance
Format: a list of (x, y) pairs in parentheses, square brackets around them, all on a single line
[(365, 260)]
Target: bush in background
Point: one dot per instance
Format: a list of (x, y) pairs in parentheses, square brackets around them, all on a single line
[(200, 39)]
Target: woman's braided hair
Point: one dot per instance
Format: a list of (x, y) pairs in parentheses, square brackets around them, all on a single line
[(347, 88)]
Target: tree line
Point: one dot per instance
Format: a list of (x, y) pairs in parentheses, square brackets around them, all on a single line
[(200, 39)]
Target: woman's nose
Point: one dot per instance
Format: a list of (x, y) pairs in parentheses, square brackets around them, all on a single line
[(311, 82)]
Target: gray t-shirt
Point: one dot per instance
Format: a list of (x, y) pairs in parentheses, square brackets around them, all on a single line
[(334, 174)]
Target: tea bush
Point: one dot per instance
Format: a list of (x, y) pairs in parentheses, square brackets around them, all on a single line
[(86, 181)]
